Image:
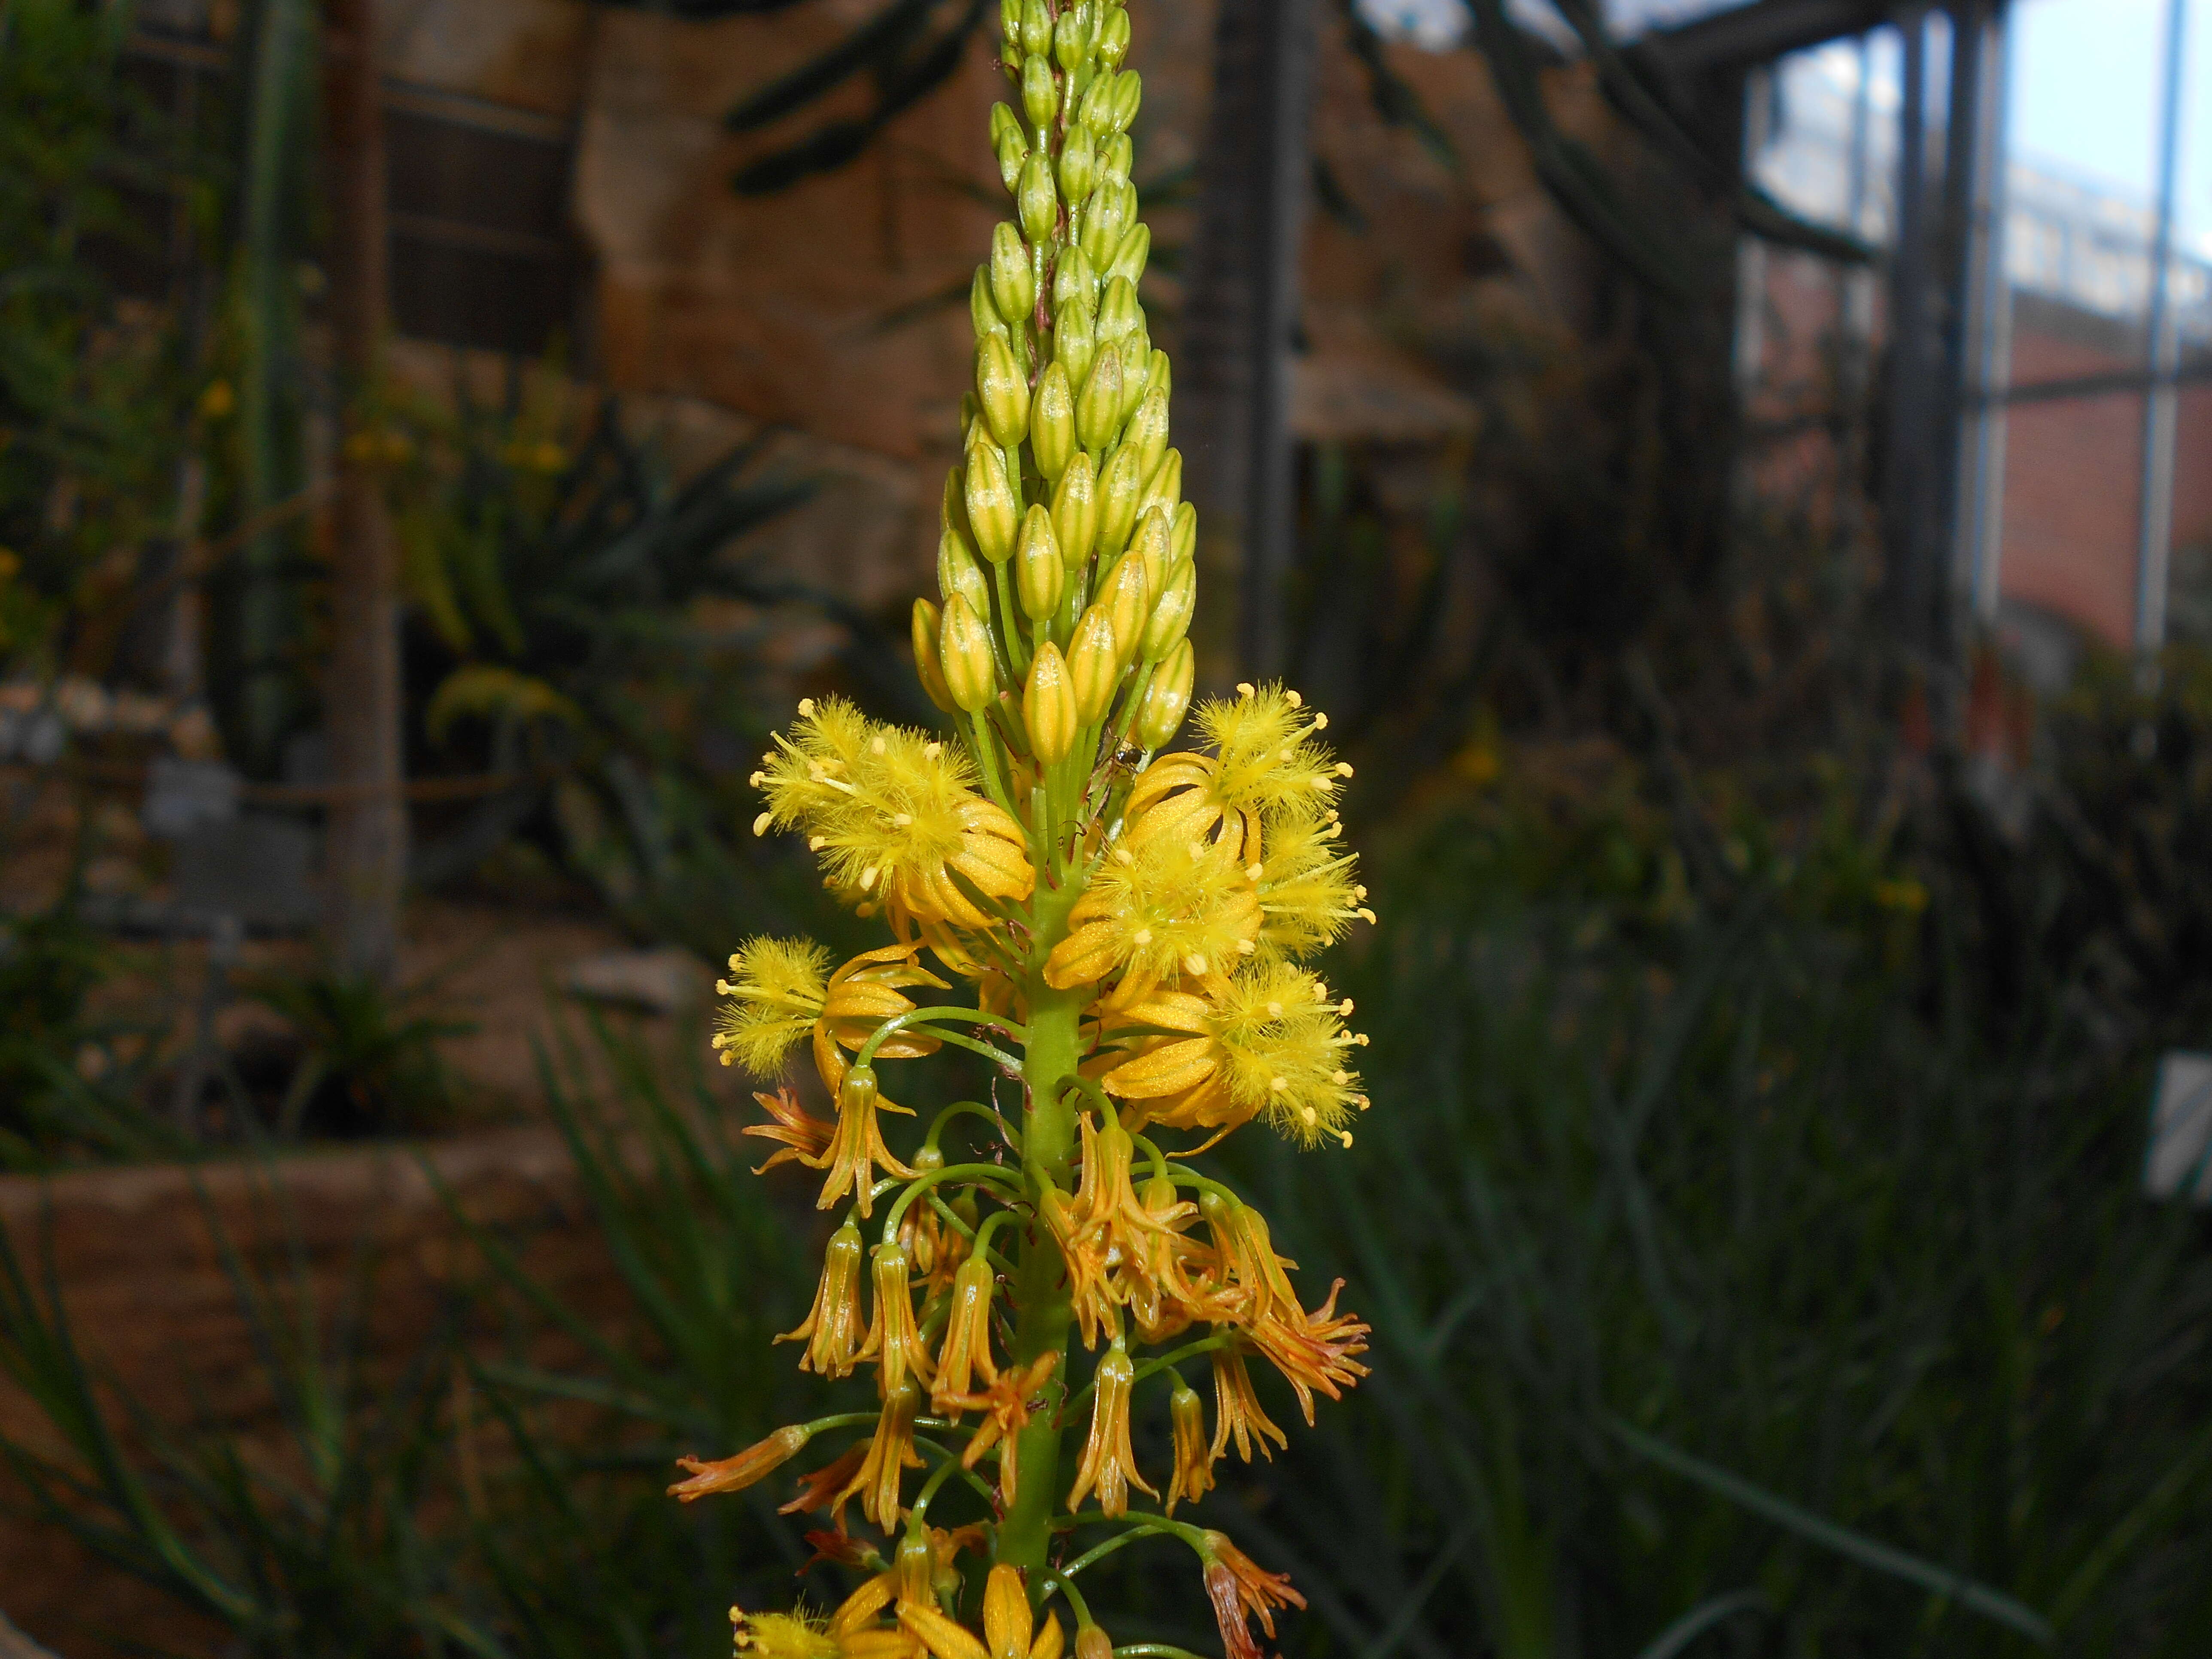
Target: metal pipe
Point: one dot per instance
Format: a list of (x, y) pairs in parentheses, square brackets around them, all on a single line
[(2155, 544), (1978, 531)]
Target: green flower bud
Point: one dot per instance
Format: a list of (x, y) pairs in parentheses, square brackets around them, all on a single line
[(1040, 89), (1010, 22), (1071, 39), (1094, 665), (1163, 490), (1130, 254), (1128, 603), (1036, 32), (1183, 543), (1034, 199), (1119, 487), (1113, 42), (1012, 151), (958, 575), (1013, 278), (1074, 279), (1116, 155), (963, 655), (1136, 354), (1105, 218), (991, 515), (1039, 577), (952, 509), (983, 309), (1153, 542), (1052, 422), (1079, 166), (1095, 109), (1048, 706), (1005, 123), (1075, 512), (1074, 339), (1170, 617), (1128, 94), (1160, 378), (1098, 409), (1119, 313), (1004, 391), (927, 623), (1166, 698), (1148, 431)]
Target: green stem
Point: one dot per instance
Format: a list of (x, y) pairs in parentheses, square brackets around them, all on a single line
[(899, 1022), (1046, 1316), (922, 1184)]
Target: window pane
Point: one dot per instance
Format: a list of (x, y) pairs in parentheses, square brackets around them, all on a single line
[(2081, 187)]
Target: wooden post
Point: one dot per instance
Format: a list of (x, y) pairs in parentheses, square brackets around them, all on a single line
[(365, 850)]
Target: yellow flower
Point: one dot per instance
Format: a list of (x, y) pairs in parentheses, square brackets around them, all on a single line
[(889, 1454), (804, 1138), (1238, 1588), (1307, 893), (1236, 1412), (1267, 759), (1270, 1041), (1159, 908), (757, 1460), (966, 1352), (831, 1330), (943, 1639), (893, 1342), (1193, 1458), (1108, 1464), (892, 813), (1006, 1404), (1008, 1624), (775, 989), (858, 1149), (784, 1635)]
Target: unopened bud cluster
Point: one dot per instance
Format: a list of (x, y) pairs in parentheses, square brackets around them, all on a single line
[(1065, 562)]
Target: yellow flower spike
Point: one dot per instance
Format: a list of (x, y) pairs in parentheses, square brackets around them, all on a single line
[(831, 1330), (1008, 1626), (1109, 1464), (1160, 717), (754, 1463), (1051, 1642), (894, 1343), (943, 1639), (775, 991), (1236, 1411), (965, 1354), (889, 1454), (1094, 665), (1048, 706), (1075, 512), (928, 622)]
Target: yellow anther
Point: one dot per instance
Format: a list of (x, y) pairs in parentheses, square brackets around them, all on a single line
[(1254, 871), (902, 819), (1274, 1011), (805, 707), (1339, 1078), (1343, 768), (1194, 963), (760, 824), (1321, 721), (1294, 700), (1142, 936), (1344, 1008), (756, 779), (1245, 947), (868, 878), (878, 746), (815, 843), (1345, 1136), (1244, 689), (932, 750)]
